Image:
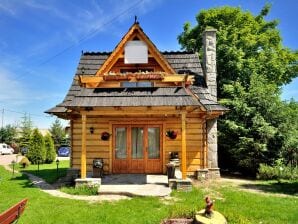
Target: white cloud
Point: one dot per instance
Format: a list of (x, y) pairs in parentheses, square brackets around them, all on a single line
[(12, 91), (7, 7)]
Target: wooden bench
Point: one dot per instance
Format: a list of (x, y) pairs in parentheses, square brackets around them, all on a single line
[(12, 214)]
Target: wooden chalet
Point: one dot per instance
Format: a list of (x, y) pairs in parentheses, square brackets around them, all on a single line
[(135, 105)]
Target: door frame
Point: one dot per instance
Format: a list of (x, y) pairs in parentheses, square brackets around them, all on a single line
[(145, 126)]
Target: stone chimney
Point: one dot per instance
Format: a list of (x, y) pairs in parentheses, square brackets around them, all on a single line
[(209, 61), (210, 74)]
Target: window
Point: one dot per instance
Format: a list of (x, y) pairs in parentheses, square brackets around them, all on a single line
[(120, 143), (136, 84), (135, 70), (137, 143), (135, 52)]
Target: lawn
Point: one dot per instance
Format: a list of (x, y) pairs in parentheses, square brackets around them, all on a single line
[(47, 171), (237, 205)]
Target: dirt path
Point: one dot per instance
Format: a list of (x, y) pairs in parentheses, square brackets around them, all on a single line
[(7, 159)]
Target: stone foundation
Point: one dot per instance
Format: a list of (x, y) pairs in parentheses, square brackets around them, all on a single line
[(202, 174), (213, 173), (180, 185), (207, 174)]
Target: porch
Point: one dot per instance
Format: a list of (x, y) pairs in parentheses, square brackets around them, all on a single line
[(135, 185)]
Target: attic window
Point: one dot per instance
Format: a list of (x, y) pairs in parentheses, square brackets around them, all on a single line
[(135, 52), (136, 84)]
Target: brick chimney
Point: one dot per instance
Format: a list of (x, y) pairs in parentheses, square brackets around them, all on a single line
[(209, 61), (210, 74)]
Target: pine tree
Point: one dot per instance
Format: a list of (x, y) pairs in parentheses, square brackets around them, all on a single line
[(36, 153), (57, 133), (26, 130), (50, 149)]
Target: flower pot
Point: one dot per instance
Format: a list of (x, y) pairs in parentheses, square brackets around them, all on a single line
[(171, 134), (105, 136)]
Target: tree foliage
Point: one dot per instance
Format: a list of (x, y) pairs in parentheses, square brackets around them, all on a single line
[(246, 44), (26, 130), (289, 128), (57, 133), (37, 152), (8, 134), (50, 149), (252, 65)]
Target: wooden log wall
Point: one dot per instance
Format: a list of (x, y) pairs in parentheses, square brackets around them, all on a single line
[(194, 142), (97, 148)]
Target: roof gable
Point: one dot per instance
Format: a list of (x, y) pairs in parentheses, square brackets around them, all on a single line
[(134, 32)]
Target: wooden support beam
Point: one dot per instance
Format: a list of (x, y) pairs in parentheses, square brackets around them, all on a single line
[(174, 78), (110, 147), (133, 112), (83, 153), (205, 148), (183, 143)]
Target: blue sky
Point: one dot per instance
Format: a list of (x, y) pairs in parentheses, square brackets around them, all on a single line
[(41, 42)]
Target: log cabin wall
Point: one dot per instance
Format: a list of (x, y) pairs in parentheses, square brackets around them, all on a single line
[(194, 142), (97, 148)]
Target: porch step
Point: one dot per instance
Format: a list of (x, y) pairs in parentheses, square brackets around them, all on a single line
[(135, 185)]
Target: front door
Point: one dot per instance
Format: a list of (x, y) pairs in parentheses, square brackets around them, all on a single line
[(137, 149)]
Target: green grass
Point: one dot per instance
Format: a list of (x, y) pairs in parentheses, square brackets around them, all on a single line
[(237, 205), (47, 171), (83, 190), (274, 186)]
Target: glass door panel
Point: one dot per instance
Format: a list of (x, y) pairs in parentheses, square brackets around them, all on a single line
[(153, 143), (120, 144), (137, 143)]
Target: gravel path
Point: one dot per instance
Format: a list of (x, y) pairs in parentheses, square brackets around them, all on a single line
[(7, 159)]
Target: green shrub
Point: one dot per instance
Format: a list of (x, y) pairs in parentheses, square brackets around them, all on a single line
[(81, 190), (50, 149), (36, 153), (277, 172), (24, 162)]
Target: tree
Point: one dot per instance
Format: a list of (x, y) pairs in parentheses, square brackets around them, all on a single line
[(50, 149), (36, 153), (250, 133), (26, 130), (8, 134), (57, 132), (252, 65), (289, 128), (246, 44)]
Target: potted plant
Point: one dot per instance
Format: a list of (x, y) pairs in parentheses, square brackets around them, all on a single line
[(171, 134), (105, 136)]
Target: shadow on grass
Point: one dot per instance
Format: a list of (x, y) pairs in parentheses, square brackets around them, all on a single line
[(49, 175), (25, 182), (289, 188)]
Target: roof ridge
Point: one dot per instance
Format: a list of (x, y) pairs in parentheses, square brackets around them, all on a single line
[(96, 53), (177, 52), (109, 52)]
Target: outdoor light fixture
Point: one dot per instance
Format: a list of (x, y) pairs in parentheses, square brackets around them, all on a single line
[(13, 164), (57, 163), (91, 130)]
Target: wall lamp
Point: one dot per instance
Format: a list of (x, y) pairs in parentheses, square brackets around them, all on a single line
[(91, 129)]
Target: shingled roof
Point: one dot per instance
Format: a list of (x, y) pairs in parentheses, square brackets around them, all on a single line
[(181, 62)]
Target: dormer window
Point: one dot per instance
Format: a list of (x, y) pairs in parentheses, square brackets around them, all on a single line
[(136, 52)]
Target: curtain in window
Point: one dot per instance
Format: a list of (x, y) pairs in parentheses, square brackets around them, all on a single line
[(121, 143), (153, 143), (137, 143)]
